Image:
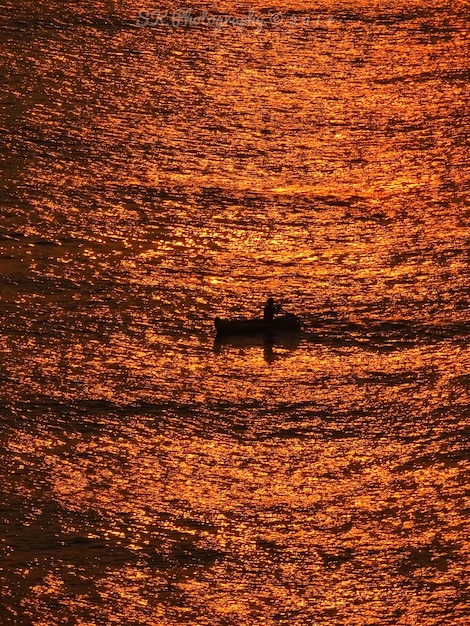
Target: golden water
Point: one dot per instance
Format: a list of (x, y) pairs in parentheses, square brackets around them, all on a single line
[(158, 176)]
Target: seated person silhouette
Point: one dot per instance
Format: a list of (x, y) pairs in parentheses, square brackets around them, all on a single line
[(270, 309)]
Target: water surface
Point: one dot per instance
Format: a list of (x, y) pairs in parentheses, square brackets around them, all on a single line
[(158, 176)]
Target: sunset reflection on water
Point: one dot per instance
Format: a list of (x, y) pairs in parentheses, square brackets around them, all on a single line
[(159, 177)]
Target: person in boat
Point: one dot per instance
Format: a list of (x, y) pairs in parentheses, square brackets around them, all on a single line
[(270, 310)]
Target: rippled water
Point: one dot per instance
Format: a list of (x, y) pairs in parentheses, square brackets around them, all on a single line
[(158, 176)]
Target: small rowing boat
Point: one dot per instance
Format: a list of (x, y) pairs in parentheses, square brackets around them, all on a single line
[(257, 326)]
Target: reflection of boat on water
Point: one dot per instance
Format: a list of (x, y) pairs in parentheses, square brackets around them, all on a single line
[(249, 327), (285, 341), (274, 345)]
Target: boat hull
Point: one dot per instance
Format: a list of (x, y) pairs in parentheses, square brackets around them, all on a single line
[(257, 326)]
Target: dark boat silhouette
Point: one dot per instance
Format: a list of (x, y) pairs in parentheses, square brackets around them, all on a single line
[(243, 326)]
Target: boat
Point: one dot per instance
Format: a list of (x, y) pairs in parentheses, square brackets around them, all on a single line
[(287, 323)]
